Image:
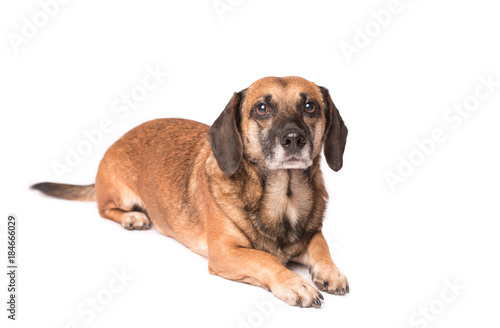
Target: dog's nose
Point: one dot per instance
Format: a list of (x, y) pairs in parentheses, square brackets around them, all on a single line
[(293, 139)]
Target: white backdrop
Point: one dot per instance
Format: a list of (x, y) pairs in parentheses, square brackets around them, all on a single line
[(413, 215)]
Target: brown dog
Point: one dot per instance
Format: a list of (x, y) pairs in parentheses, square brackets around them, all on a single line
[(247, 192)]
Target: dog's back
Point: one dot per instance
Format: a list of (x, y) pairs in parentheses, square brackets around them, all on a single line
[(156, 159)]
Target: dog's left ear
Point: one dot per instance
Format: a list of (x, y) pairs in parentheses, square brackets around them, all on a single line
[(225, 137), (335, 133)]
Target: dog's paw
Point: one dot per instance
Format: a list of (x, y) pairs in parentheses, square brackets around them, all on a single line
[(330, 280), (297, 291), (135, 221)]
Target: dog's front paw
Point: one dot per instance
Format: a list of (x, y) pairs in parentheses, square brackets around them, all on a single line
[(330, 279), (297, 291)]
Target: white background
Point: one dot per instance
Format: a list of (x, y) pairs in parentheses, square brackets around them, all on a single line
[(398, 248)]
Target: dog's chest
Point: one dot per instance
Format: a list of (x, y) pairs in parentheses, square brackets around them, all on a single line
[(287, 198), (285, 208)]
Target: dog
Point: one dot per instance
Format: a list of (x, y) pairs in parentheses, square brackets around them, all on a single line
[(247, 192)]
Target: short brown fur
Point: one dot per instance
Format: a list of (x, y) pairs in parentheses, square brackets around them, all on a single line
[(211, 188)]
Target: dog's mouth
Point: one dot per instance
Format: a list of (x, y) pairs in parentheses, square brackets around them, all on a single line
[(281, 157), (292, 162)]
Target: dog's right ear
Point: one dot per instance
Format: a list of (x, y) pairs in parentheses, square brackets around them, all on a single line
[(225, 136)]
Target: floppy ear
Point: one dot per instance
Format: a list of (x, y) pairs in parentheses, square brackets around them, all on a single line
[(225, 138), (335, 133)]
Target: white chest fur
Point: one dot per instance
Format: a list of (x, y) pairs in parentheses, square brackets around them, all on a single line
[(288, 195)]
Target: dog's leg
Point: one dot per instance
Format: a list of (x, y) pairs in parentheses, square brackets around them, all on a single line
[(324, 272), (264, 270), (130, 220), (232, 256), (116, 201)]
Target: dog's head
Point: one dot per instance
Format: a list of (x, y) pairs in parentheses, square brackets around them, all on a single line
[(278, 123)]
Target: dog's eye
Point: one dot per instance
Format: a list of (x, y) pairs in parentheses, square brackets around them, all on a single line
[(310, 107), (262, 109)]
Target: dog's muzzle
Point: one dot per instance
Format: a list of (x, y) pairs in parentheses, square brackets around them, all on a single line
[(292, 148)]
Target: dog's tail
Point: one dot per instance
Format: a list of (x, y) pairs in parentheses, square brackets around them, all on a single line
[(67, 191)]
